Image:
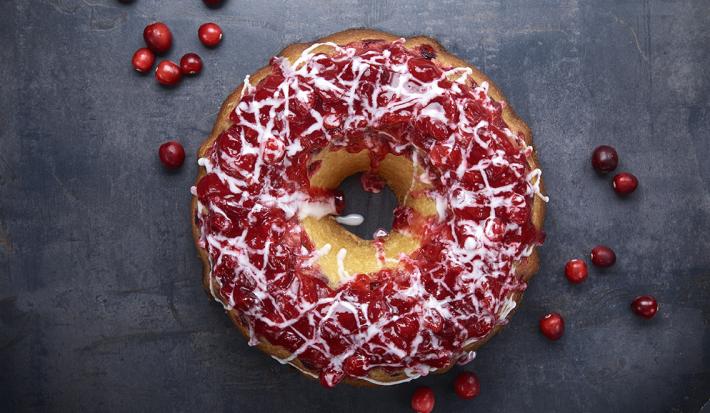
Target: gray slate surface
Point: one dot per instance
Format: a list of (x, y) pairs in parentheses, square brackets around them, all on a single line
[(101, 307)]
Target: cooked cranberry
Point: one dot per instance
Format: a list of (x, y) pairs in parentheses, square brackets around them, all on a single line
[(191, 64), (210, 34), (624, 183), (423, 400), (603, 256), (604, 159), (427, 52), (143, 60), (645, 306), (158, 37), (552, 326), (466, 385), (339, 199), (576, 271), (172, 154), (168, 73)]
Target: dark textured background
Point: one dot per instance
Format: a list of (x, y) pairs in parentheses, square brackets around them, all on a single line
[(101, 307)]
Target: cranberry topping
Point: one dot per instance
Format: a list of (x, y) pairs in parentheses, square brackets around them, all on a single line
[(143, 60), (264, 157), (604, 159), (467, 385), (624, 183), (603, 256), (158, 37), (168, 73), (210, 34), (171, 154), (423, 400), (576, 271), (645, 306), (371, 182), (191, 64), (552, 326)]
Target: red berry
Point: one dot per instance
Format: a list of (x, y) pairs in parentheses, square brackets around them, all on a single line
[(624, 183), (171, 154), (552, 326), (143, 60), (339, 200), (168, 73), (645, 306), (576, 271), (603, 256), (158, 37), (210, 34), (423, 400), (191, 64), (466, 385), (604, 159), (213, 3)]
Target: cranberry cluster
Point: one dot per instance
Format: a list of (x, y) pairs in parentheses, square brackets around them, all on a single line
[(159, 39), (604, 159)]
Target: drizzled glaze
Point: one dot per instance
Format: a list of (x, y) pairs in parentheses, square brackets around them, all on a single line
[(381, 97)]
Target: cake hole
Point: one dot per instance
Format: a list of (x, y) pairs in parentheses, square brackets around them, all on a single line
[(376, 208)]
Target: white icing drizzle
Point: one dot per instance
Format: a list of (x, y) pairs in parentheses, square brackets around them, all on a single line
[(351, 220), (477, 248)]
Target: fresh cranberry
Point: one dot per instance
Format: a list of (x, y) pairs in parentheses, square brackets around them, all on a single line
[(213, 3), (624, 183), (423, 400), (172, 154), (158, 37), (143, 60), (210, 34), (576, 271), (168, 73), (603, 256), (191, 64), (605, 159), (645, 306), (552, 326), (466, 385)]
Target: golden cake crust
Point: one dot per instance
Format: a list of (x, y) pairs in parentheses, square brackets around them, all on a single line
[(524, 269)]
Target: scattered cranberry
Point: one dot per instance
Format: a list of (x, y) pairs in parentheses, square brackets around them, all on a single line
[(605, 159), (645, 306), (423, 400), (210, 34), (625, 183), (168, 73), (603, 256), (576, 271), (143, 60), (466, 385), (172, 154), (552, 326), (158, 37), (213, 3), (191, 64)]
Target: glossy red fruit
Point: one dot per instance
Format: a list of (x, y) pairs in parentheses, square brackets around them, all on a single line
[(168, 73), (624, 183), (603, 256), (423, 400), (576, 271), (552, 326), (213, 3), (158, 37), (143, 60), (467, 385), (172, 154), (605, 159), (645, 306), (210, 34), (191, 64)]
